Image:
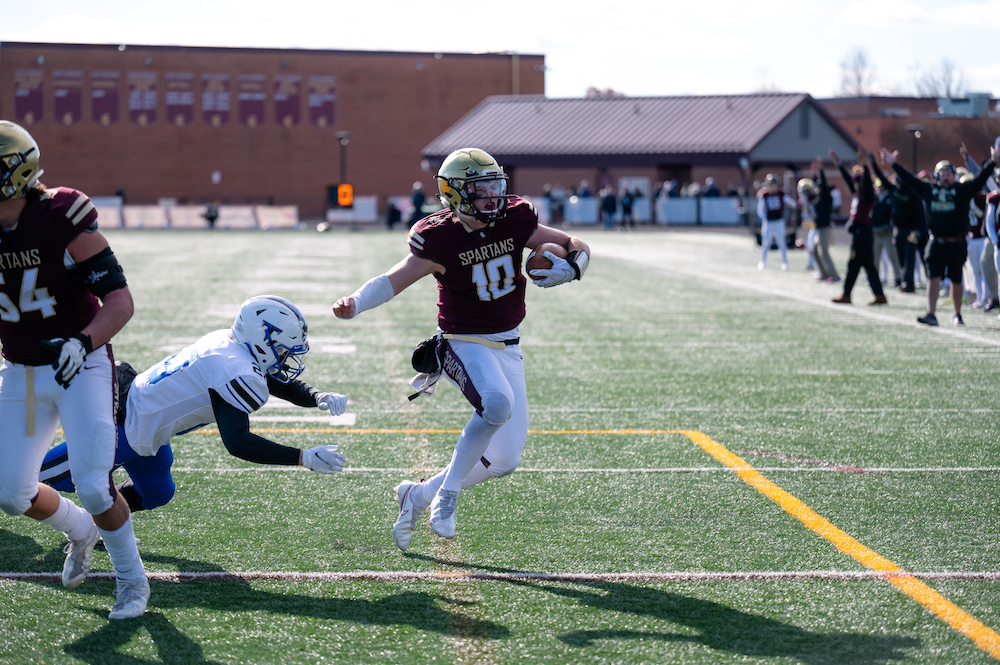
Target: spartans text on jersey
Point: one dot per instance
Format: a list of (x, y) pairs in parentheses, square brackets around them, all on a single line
[(25, 259), (492, 250)]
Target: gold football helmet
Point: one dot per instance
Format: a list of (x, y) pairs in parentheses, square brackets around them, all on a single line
[(806, 187), (19, 168), (943, 165), (471, 174)]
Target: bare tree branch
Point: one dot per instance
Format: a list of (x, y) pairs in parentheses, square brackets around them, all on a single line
[(946, 80), (857, 75)]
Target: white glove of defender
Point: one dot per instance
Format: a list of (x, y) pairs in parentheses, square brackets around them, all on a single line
[(323, 459), (560, 272), (335, 402), (71, 356)]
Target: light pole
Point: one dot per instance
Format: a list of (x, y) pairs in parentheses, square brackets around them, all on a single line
[(744, 177), (343, 138), (915, 131)]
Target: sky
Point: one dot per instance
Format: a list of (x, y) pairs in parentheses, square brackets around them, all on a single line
[(639, 48)]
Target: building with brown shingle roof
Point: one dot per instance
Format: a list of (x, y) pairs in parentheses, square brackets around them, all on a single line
[(655, 139)]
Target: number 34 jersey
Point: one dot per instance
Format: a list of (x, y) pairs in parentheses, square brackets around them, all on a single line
[(39, 299), (482, 288), (171, 397)]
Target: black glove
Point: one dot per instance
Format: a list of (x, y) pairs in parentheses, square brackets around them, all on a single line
[(72, 353)]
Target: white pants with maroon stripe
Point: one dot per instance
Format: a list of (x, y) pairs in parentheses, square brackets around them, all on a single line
[(86, 410), (490, 373)]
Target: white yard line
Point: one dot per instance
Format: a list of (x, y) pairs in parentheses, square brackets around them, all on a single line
[(453, 575)]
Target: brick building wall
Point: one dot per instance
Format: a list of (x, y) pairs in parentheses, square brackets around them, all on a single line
[(166, 143), (875, 122)]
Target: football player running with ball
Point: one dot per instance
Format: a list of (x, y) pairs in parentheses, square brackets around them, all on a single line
[(473, 248), (222, 378), (63, 296)]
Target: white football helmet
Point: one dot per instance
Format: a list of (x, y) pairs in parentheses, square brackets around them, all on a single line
[(275, 333)]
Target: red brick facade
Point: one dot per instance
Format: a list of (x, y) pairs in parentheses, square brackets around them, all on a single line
[(276, 143)]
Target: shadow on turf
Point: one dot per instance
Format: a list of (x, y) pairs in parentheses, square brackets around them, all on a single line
[(717, 626), (421, 610), (173, 647)]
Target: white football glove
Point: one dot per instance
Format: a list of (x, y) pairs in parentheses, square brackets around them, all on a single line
[(323, 459), (335, 402), (560, 272), (72, 353)]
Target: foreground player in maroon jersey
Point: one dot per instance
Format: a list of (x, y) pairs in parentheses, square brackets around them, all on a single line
[(63, 297), (473, 248)]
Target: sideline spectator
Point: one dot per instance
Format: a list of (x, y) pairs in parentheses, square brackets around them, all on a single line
[(976, 241), (772, 207), (882, 231), (907, 219), (418, 198), (558, 204), (824, 226), (392, 215), (211, 214), (627, 199), (609, 206), (806, 189), (859, 183), (988, 257), (837, 199), (948, 209), (710, 188), (992, 228)]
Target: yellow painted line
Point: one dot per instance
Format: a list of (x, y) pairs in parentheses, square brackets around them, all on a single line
[(983, 636)]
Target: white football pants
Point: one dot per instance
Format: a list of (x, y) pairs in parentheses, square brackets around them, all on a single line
[(86, 410), (491, 444)]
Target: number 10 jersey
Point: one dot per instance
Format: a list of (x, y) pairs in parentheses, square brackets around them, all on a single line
[(482, 288)]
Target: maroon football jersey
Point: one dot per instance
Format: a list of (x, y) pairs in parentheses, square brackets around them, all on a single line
[(38, 298), (482, 289), (774, 205)]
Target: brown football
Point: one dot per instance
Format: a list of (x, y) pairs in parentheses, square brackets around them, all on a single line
[(537, 259)]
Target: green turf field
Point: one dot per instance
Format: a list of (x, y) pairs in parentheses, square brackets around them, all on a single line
[(723, 467)]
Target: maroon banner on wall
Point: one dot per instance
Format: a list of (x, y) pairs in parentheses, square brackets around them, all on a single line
[(67, 96), (178, 97), (322, 100), (29, 96), (105, 98), (143, 98), (251, 98), (288, 100), (215, 101)]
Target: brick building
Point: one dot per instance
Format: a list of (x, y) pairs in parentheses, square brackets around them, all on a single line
[(241, 125), (925, 130)]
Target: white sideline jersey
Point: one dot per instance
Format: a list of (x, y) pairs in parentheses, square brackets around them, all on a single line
[(171, 397)]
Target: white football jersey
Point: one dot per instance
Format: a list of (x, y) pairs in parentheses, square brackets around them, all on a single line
[(171, 397)]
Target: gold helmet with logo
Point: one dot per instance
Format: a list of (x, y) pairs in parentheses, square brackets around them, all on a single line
[(469, 175), (19, 168)]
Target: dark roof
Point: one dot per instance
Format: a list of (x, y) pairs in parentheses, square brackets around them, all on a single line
[(531, 125)]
